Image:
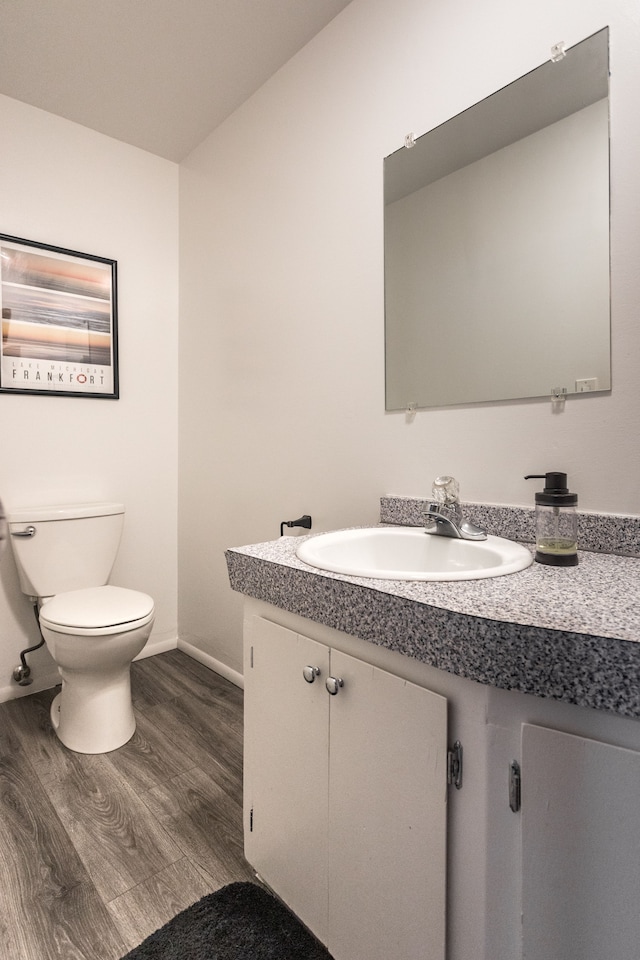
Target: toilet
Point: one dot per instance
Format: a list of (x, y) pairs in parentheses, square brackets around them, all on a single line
[(64, 556)]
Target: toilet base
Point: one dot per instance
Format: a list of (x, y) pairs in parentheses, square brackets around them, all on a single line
[(96, 724), (93, 712)]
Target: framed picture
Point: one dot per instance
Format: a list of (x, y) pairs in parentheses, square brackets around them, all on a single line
[(59, 321)]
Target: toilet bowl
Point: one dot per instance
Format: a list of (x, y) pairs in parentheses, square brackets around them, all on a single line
[(93, 635), (93, 630)]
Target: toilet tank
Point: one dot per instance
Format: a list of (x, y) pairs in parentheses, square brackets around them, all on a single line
[(73, 546)]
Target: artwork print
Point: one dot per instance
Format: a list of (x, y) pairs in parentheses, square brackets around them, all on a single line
[(59, 321)]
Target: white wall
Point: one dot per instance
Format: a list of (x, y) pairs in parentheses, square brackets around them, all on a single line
[(282, 375), (65, 185)]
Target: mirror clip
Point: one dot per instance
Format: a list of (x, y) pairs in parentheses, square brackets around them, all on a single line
[(410, 140), (558, 51)]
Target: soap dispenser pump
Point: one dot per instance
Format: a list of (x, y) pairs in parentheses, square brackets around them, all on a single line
[(556, 521)]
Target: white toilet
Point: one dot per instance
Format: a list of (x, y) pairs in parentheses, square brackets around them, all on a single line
[(64, 556)]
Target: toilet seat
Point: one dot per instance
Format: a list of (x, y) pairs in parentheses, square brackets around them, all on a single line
[(97, 611)]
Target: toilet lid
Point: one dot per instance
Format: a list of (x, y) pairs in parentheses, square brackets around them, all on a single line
[(96, 607)]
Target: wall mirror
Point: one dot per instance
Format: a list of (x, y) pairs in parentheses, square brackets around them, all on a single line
[(496, 232)]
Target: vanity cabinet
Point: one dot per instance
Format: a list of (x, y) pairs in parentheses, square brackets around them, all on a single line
[(345, 795), (555, 877), (347, 819)]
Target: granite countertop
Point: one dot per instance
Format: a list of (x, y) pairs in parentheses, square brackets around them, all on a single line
[(570, 633)]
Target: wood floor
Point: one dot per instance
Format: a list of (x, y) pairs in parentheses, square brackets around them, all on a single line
[(96, 852)]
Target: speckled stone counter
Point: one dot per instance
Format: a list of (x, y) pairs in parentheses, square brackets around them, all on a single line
[(569, 633)]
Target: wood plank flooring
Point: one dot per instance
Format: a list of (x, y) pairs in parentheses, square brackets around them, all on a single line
[(96, 852)]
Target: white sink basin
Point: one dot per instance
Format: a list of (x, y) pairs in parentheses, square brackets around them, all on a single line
[(408, 553)]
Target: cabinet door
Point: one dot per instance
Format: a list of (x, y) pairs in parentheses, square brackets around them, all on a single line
[(285, 763), (580, 848), (387, 819)]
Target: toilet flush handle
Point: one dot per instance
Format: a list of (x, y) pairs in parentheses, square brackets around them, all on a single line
[(29, 532)]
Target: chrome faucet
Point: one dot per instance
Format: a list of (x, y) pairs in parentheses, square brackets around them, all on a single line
[(444, 514)]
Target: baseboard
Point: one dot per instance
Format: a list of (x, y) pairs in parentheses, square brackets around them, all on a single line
[(216, 665), (159, 646)]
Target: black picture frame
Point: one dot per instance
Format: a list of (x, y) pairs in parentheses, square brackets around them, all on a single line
[(59, 321)]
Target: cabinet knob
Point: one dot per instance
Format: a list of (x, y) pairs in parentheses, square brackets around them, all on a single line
[(310, 673), (333, 684)]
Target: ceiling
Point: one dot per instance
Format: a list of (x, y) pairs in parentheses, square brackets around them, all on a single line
[(158, 74)]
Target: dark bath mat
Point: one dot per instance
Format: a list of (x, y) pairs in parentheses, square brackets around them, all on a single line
[(239, 922)]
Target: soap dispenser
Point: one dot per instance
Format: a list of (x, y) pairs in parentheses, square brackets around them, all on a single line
[(556, 521)]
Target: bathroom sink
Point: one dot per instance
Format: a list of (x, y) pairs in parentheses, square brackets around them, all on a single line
[(408, 553)]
